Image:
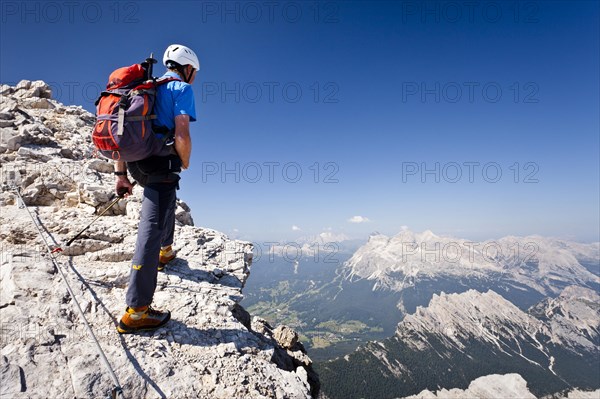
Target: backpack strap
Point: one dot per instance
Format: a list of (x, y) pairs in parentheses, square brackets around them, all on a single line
[(120, 121), (163, 130), (162, 81)]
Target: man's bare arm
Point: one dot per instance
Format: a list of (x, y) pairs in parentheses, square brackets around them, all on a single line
[(183, 141)]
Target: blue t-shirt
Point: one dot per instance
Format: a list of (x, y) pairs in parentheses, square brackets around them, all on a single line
[(172, 99)]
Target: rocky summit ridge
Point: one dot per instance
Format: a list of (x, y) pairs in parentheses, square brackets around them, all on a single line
[(212, 347)]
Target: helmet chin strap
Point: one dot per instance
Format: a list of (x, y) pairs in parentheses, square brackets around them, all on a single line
[(189, 77), (186, 78)]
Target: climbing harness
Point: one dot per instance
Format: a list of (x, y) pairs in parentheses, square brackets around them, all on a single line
[(117, 391)]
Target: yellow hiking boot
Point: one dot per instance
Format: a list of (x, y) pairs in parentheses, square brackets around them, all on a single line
[(166, 255), (142, 319)]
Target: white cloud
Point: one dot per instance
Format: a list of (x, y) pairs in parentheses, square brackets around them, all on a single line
[(358, 219), (296, 228)]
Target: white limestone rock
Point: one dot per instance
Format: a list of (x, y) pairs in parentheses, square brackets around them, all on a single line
[(209, 348), (488, 387)]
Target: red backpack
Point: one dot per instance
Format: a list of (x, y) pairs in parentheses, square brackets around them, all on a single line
[(123, 129)]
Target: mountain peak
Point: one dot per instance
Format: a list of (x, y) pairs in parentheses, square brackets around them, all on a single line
[(465, 314), (427, 235)]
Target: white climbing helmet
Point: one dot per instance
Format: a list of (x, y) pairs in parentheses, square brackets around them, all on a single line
[(182, 55)]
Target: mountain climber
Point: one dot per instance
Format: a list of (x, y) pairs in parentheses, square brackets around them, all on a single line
[(174, 109)]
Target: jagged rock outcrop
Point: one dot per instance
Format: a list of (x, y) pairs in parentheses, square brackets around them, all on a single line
[(212, 347)]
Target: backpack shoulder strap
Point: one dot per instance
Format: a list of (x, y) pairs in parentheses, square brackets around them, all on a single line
[(162, 81)]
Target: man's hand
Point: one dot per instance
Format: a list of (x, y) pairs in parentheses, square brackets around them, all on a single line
[(123, 187)]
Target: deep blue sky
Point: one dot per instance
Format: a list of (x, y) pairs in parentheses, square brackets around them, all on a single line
[(379, 86)]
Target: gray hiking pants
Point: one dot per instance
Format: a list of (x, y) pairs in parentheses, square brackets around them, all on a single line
[(156, 229)]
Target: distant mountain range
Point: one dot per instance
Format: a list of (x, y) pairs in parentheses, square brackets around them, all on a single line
[(460, 337), (533, 263), (374, 285), (418, 311)]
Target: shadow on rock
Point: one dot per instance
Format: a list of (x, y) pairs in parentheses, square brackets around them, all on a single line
[(136, 365), (181, 268)]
